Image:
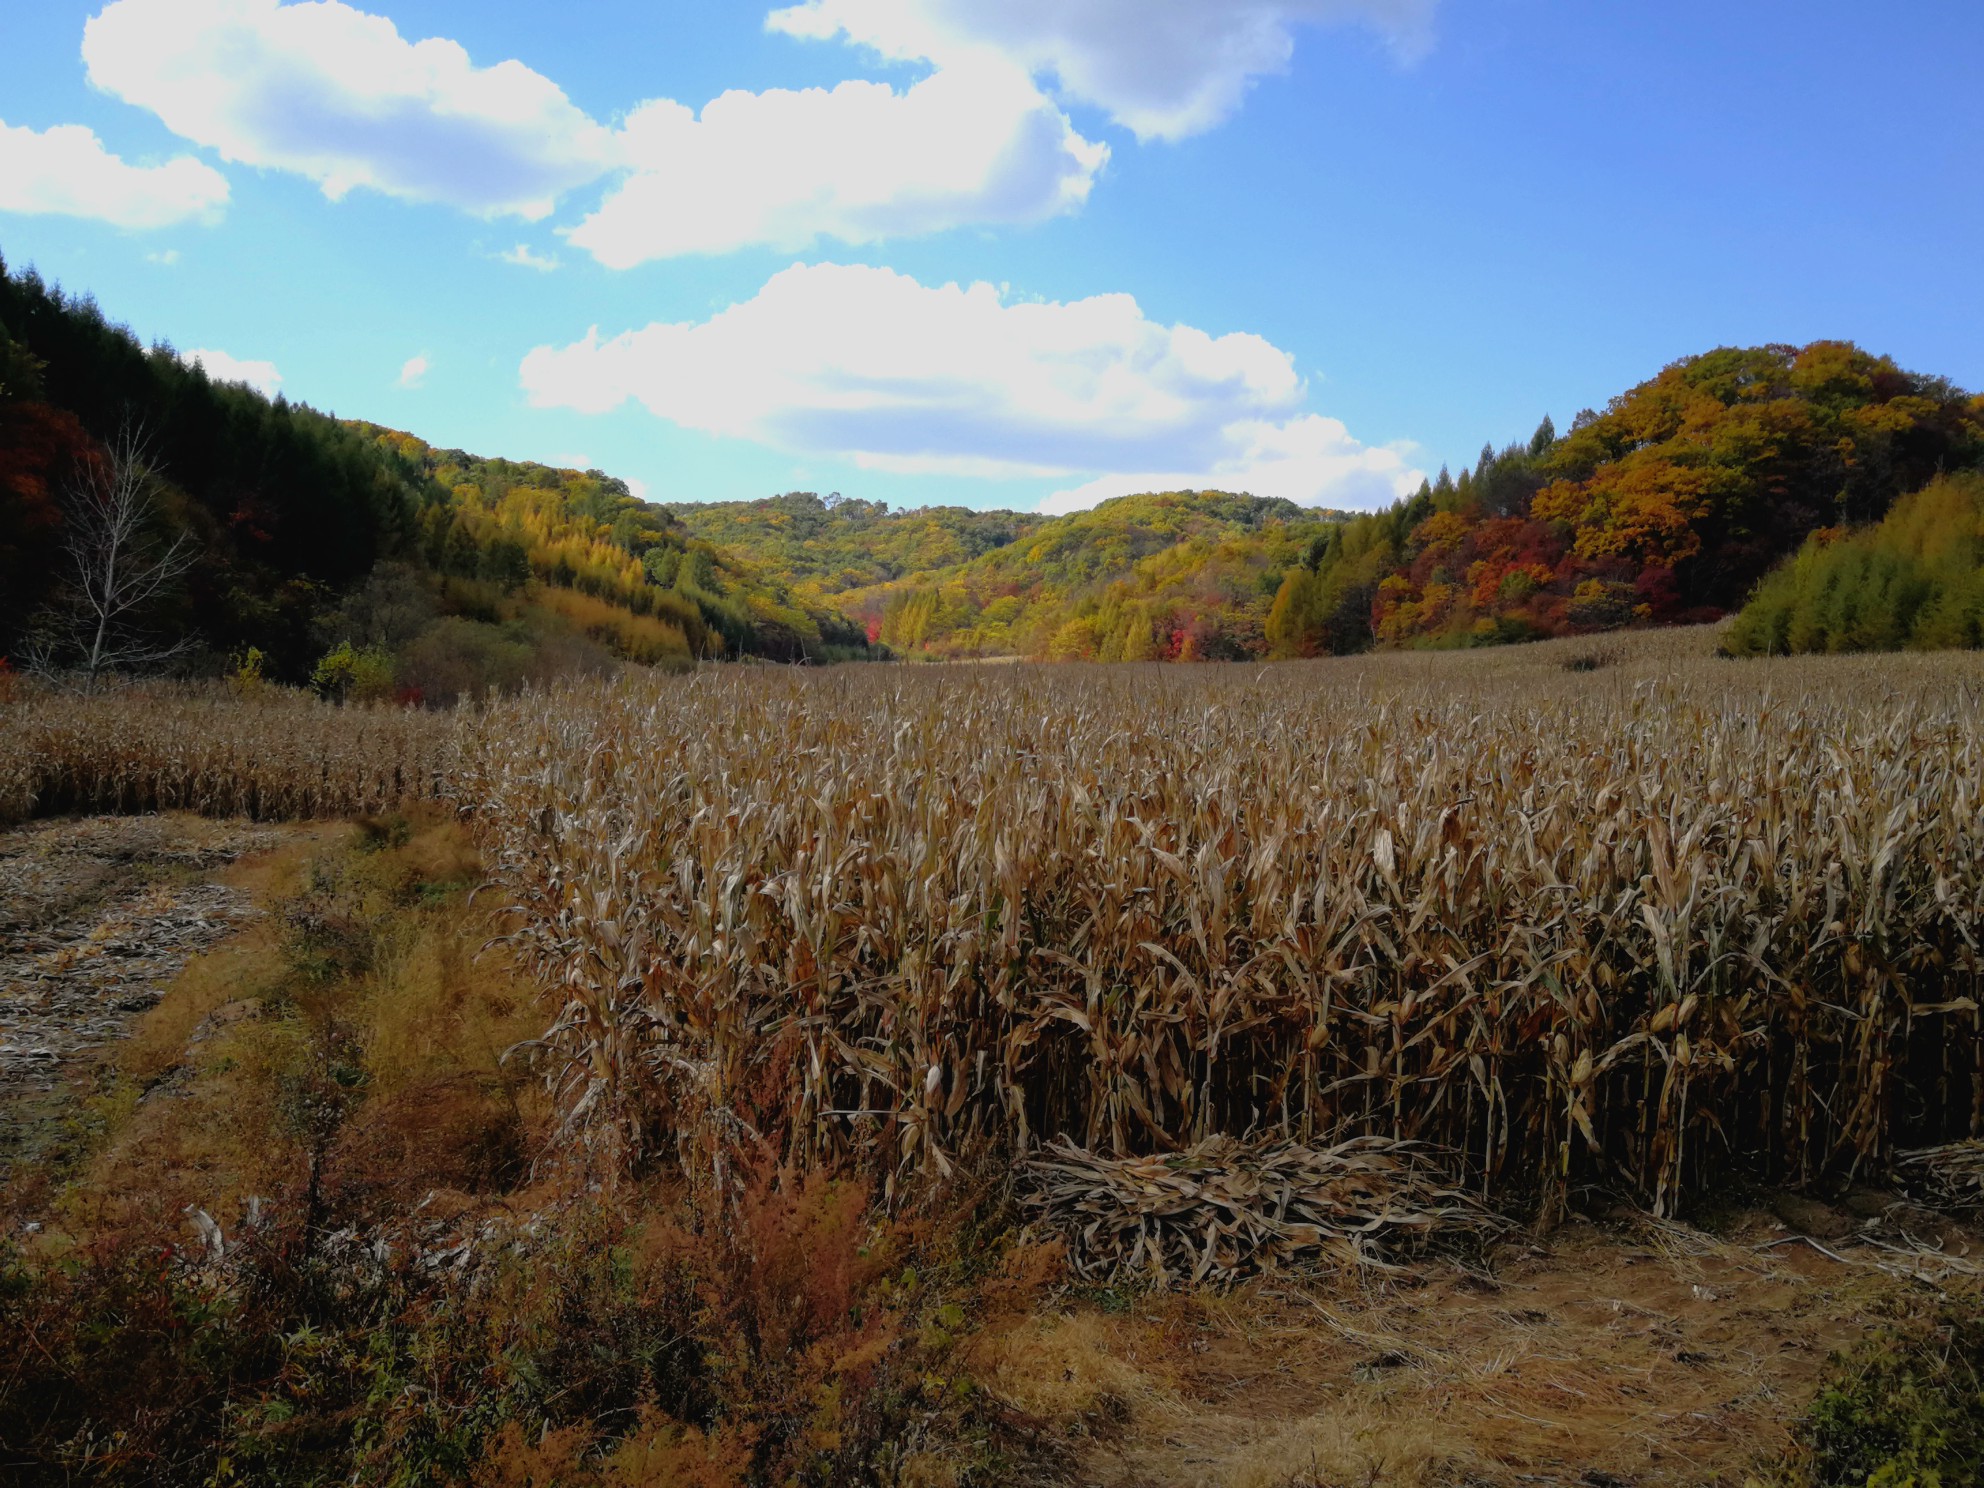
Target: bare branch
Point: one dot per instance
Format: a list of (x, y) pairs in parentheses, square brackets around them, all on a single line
[(116, 569)]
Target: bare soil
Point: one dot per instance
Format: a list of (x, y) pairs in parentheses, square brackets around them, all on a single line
[(98, 915)]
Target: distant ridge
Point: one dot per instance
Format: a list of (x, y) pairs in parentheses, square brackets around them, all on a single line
[(1668, 507)]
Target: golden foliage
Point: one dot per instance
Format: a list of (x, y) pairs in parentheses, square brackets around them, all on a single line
[(642, 638)]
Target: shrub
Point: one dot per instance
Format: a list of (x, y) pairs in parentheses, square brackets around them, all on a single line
[(1904, 1410), (348, 674)]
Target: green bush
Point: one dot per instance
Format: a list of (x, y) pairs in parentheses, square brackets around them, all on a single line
[(1902, 1411), (1913, 580), (350, 674)]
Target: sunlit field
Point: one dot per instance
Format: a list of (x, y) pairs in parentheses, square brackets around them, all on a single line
[(1609, 911)]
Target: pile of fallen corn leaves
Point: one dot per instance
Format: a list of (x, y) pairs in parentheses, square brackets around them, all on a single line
[(1224, 1208), (1949, 1177)]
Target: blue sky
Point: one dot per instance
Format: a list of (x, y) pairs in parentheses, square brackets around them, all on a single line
[(998, 254)]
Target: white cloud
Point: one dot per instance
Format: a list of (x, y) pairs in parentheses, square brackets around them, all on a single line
[(1164, 69), (221, 367), (414, 371), (337, 95), (868, 365), (973, 143), (1310, 459), (526, 257), (67, 170), (167, 258)]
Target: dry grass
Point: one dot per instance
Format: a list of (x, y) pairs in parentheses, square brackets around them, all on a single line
[(1604, 1353), (366, 958), (240, 968)]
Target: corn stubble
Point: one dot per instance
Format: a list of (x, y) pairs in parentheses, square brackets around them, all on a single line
[(1638, 930)]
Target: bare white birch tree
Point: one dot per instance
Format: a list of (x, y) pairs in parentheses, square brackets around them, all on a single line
[(117, 568)]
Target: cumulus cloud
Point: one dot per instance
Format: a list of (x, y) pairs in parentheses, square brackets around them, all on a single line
[(869, 365), (221, 367), (67, 170), (1310, 459), (1164, 69), (414, 371), (339, 96), (974, 143)]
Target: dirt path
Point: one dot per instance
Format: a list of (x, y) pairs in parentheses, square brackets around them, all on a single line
[(97, 916)]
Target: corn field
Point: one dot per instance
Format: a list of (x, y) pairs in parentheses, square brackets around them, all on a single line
[(270, 755), (1638, 928)]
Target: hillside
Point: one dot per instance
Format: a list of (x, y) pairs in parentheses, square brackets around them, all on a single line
[(284, 506), (582, 535), (1666, 508), (1179, 576), (829, 546), (285, 535), (374, 563)]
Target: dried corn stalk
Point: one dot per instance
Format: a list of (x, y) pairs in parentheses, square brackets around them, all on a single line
[(1224, 1208), (1701, 917), (1694, 917), (1950, 1176), (163, 747)]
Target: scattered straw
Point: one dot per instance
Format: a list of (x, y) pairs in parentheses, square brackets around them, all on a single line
[(1225, 1208)]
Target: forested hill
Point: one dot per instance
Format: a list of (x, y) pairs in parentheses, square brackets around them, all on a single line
[(425, 570), (584, 532), (1188, 574), (286, 506), (1666, 507), (829, 546), (1177, 576)]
